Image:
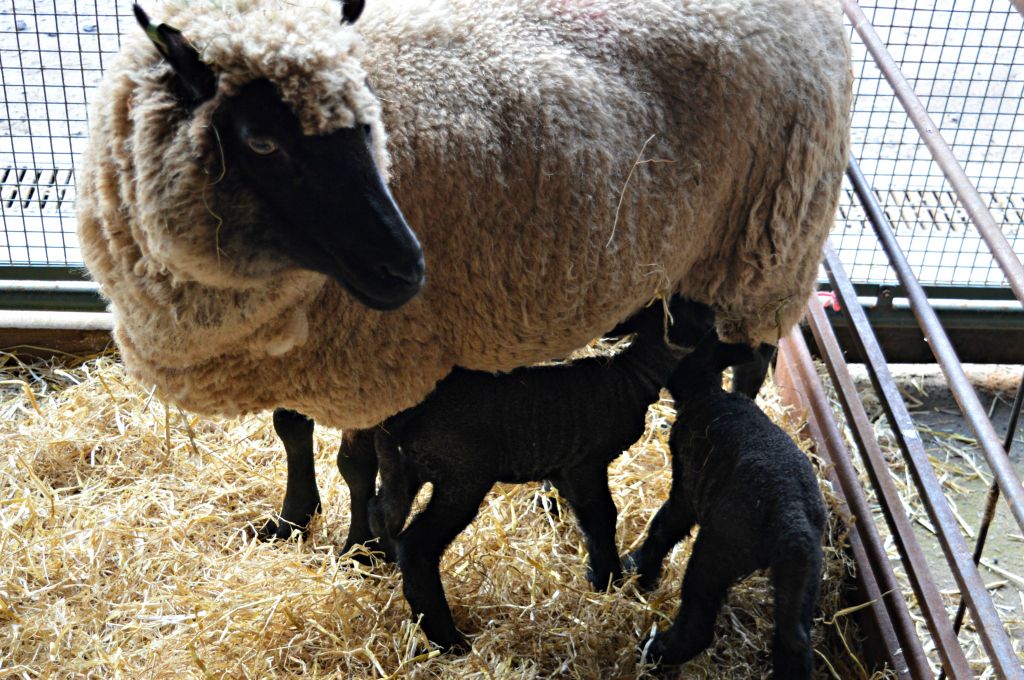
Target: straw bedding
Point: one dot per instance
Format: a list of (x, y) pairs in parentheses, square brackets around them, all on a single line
[(123, 556)]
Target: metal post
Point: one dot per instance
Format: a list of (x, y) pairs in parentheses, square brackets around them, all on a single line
[(990, 628), (938, 342), (928, 597), (993, 497)]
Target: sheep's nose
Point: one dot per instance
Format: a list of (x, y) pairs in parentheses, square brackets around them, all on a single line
[(409, 274)]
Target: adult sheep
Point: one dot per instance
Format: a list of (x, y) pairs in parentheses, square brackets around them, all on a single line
[(561, 161)]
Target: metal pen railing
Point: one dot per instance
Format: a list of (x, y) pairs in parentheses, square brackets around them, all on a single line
[(801, 382)]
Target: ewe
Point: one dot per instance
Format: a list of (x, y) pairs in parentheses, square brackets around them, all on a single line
[(561, 163)]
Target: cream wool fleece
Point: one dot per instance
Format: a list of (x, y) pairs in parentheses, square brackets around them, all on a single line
[(562, 162)]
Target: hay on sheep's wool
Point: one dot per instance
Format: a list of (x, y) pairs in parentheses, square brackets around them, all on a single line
[(123, 557)]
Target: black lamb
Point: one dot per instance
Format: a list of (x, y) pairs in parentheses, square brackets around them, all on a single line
[(564, 423), (756, 499), (357, 458)]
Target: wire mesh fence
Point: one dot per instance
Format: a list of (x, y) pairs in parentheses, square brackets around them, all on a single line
[(965, 59), (52, 54)]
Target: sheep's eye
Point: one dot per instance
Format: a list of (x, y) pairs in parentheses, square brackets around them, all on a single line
[(367, 130), (264, 146)]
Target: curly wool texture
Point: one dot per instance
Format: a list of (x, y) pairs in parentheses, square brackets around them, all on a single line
[(562, 162)]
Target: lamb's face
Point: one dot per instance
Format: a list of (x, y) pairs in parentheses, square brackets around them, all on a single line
[(293, 148)]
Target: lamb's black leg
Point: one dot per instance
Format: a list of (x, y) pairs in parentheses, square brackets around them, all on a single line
[(420, 548), (301, 496), (796, 580), (398, 487), (357, 463), (749, 377), (672, 524), (546, 502), (586, 490), (709, 573)]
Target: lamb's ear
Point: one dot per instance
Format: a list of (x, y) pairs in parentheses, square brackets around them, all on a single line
[(351, 9), (728, 354), (691, 321), (196, 80)]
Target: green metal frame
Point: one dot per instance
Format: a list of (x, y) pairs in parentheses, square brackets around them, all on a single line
[(43, 273), (980, 335), (44, 297)]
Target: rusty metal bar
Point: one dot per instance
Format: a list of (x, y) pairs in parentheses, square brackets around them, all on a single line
[(970, 199), (930, 601), (938, 342), (993, 496), (990, 628), (793, 390), (846, 475)]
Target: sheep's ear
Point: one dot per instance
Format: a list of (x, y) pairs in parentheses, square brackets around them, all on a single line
[(350, 10), (196, 80), (727, 354)]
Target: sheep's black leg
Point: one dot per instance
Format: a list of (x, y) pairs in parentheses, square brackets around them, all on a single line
[(709, 573), (796, 580), (586, 490), (357, 463), (301, 496), (398, 487), (749, 377), (420, 548), (672, 524)]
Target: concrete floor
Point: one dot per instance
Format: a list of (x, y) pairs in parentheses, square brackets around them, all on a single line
[(949, 441)]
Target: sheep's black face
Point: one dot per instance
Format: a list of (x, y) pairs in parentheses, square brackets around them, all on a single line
[(326, 207)]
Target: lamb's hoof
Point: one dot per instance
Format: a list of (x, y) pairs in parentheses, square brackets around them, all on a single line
[(366, 553), (281, 531), (547, 501), (357, 553), (657, 650), (606, 581), (457, 645), (385, 550), (645, 580)]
